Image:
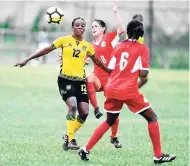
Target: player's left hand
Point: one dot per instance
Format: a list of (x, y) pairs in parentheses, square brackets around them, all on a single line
[(87, 61), (21, 64), (115, 7)]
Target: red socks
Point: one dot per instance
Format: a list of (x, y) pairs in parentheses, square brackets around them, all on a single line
[(97, 135), (153, 129), (114, 128), (154, 133), (92, 94)]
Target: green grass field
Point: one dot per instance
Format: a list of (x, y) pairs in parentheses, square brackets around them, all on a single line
[(32, 121)]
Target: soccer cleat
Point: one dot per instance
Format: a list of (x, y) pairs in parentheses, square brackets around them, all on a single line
[(97, 113), (84, 155), (164, 158), (65, 142), (116, 142), (73, 145)]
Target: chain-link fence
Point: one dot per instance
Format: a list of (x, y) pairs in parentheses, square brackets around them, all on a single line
[(166, 27)]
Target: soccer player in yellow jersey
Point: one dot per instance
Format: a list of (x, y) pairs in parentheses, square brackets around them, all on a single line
[(71, 80), (140, 18)]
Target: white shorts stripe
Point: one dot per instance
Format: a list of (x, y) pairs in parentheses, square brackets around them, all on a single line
[(113, 112), (144, 68), (115, 41), (143, 109)]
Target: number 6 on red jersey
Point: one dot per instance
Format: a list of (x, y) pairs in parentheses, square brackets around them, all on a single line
[(128, 58)]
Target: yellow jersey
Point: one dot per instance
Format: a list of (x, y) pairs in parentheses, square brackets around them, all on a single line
[(73, 56), (140, 39)]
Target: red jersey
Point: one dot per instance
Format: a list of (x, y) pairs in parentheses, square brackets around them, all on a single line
[(128, 58), (103, 51)]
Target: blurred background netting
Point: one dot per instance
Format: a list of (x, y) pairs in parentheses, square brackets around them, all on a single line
[(23, 27)]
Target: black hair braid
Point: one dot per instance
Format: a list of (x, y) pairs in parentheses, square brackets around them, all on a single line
[(138, 16), (135, 29), (138, 32)]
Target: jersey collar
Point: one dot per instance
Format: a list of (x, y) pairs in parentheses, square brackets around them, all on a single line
[(77, 39), (97, 44)]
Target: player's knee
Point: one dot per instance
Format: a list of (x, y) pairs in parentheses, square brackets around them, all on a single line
[(153, 118), (90, 78), (97, 83), (110, 122), (72, 108), (82, 117), (83, 111), (149, 115), (111, 118)]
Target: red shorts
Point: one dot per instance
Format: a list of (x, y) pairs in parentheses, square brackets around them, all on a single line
[(136, 105)]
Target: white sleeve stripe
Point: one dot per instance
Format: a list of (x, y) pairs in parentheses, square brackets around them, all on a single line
[(112, 63), (115, 41)]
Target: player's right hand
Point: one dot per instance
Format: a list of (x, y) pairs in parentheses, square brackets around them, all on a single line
[(98, 114), (115, 7), (21, 64)]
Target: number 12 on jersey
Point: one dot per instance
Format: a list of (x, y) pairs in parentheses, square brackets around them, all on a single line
[(76, 53), (83, 89)]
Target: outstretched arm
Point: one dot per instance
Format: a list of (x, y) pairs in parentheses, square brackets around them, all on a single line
[(99, 63), (37, 54), (121, 28)]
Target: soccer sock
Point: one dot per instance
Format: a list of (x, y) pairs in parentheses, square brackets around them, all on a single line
[(154, 132), (92, 94), (97, 135), (78, 123), (70, 127), (114, 128)]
